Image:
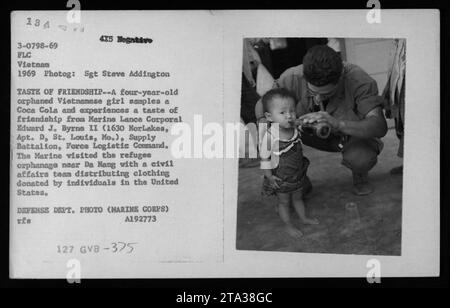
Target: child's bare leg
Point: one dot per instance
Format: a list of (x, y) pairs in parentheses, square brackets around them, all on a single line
[(284, 201), (299, 206)]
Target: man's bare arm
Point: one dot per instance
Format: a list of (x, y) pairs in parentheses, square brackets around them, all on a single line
[(373, 125)]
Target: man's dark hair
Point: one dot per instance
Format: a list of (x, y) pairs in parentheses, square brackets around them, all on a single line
[(322, 65), (271, 94)]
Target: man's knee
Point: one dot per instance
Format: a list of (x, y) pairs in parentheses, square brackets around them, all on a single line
[(359, 156), (329, 145)]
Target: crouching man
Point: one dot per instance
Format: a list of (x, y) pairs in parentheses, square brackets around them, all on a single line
[(345, 97)]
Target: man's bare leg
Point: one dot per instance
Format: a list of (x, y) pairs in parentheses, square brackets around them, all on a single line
[(284, 201)]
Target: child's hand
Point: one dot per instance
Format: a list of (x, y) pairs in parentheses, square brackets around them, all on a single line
[(298, 123), (273, 180)]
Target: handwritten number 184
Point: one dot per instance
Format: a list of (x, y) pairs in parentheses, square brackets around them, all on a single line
[(37, 23)]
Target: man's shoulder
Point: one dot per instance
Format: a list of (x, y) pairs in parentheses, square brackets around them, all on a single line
[(290, 73), (353, 72)]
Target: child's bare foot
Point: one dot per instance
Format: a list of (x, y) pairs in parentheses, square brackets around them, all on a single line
[(310, 221), (293, 231)]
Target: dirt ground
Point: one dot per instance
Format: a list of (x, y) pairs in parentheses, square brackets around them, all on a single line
[(373, 228)]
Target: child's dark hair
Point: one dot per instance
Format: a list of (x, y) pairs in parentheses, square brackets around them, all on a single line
[(322, 65), (271, 94)]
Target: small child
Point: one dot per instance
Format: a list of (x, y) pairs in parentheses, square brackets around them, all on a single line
[(282, 158)]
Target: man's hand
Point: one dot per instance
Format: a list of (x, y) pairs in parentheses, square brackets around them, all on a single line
[(321, 116), (373, 124)]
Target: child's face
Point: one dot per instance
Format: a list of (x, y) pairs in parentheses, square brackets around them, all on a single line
[(282, 111)]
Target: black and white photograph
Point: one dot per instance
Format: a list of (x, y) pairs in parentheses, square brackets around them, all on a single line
[(332, 111), (224, 144)]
